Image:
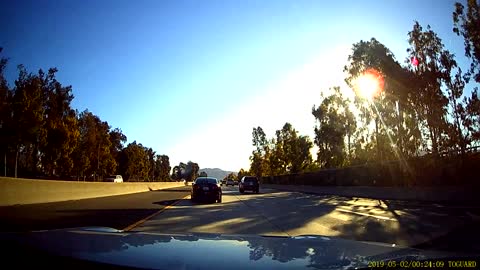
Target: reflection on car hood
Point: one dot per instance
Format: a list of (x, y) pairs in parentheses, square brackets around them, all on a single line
[(209, 251)]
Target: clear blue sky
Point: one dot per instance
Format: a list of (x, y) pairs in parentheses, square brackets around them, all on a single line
[(192, 78)]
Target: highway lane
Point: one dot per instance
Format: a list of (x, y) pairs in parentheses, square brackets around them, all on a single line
[(271, 212), (290, 214), (113, 211)]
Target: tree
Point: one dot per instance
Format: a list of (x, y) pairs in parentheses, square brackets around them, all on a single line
[(275, 158), (259, 160), (241, 174), (301, 157), (454, 90), (6, 124), (59, 133), (42, 135), (430, 101), (334, 123), (162, 167), (470, 116), (288, 152), (178, 172), (256, 164), (466, 24), (176, 175), (259, 140), (232, 176), (187, 171), (137, 162), (391, 108), (203, 174), (93, 153), (117, 139), (150, 163), (192, 170), (36, 112), (27, 114), (296, 149), (69, 135), (82, 155)]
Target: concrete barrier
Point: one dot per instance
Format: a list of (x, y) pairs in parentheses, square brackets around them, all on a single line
[(28, 191), (429, 194), (426, 171)]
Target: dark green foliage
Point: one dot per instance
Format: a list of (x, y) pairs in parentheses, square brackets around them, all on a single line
[(42, 136)]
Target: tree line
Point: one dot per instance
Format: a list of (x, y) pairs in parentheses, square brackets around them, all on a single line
[(421, 109), (41, 135), (186, 171)]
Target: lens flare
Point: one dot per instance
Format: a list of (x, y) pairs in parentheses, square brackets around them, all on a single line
[(414, 61), (369, 84)]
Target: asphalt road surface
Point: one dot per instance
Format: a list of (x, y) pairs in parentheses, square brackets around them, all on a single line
[(113, 211), (271, 212)]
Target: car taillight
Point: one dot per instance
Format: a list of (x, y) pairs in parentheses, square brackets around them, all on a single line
[(195, 186)]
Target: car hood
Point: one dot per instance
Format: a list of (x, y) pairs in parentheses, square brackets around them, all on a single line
[(143, 250)]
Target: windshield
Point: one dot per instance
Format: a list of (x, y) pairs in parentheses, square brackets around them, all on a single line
[(206, 181), (250, 180), (357, 120)]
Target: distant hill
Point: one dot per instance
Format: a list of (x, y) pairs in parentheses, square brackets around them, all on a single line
[(215, 172)]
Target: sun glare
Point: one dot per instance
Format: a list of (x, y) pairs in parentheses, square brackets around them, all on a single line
[(369, 84)]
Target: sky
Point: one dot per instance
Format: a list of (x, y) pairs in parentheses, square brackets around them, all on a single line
[(191, 79)]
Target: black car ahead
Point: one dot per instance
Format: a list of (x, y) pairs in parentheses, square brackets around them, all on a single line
[(249, 183), (206, 188)]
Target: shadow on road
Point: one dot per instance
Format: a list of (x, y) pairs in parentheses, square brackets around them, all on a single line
[(165, 202), (281, 212), (246, 213), (174, 189), (114, 218), (169, 190), (464, 238), (429, 227), (113, 211)]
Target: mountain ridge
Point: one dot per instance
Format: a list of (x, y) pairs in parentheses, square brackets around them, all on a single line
[(215, 172)]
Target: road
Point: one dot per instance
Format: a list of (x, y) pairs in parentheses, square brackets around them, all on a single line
[(114, 211), (271, 212)]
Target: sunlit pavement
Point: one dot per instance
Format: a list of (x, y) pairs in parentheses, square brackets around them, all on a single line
[(290, 214)]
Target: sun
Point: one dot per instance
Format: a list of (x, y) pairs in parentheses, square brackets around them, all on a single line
[(369, 84)]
